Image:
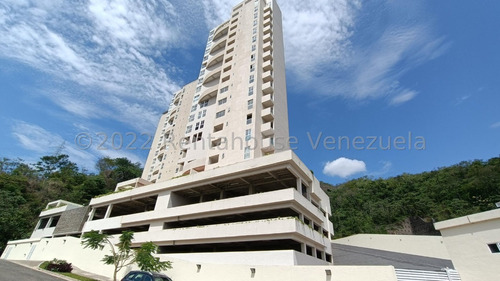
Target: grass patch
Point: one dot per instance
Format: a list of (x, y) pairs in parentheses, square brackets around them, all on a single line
[(77, 277), (44, 265)]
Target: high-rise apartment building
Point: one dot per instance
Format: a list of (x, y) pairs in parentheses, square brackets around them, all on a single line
[(237, 108), (220, 183)]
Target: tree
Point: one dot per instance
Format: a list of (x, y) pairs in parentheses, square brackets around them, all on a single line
[(122, 254)]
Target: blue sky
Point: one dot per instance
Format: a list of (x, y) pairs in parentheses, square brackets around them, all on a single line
[(371, 76)]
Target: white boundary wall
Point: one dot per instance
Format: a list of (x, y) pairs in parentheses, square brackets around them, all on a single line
[(70, 249)]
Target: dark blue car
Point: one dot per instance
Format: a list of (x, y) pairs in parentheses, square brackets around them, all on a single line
[(145, 276)]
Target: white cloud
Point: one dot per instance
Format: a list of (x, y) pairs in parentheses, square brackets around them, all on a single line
[(98, 49), (43, 142), (344, 167), (403, 97), (495, 125)]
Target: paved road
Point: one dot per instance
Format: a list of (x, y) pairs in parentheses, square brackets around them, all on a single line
[(13, 272)]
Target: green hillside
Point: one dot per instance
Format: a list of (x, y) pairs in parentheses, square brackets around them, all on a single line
[(367, 205)]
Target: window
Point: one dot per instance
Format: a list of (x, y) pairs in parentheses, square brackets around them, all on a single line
[(191, 117), (248, 134), (196, 137), (249, 119), (252, 68), (197, 126), (196, 98), (220, 113), (249, 104), (223, 90), (255, 30), (494, 248), (253, 47), (250, 90), (251, 79), (247, 152), (203, 104), (194, 107), (204, 113), (254, 38), (222, 101), (254, 22), (252, 57), (198, 89), (189, 129), (200, 80)]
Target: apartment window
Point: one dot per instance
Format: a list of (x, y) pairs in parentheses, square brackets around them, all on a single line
[(249, 119), (223, 90), (247, 152), (199, 125), (494, 248), (196, 98), (255, 30), (205, 58), (250, 90), (249, 104), (202, 113), (193, 108), (189, 129), (220, 113), (253, 47), (251, 79), (254, 22), (252, 57), (202, 72), (254, 38), (203, 104), (191, 117), (198, 89), (222, 101), (196, 137), (248, 134), (252, 68)]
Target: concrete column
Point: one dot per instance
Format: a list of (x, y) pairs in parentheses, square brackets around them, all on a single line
[(108, 211), (299, 185), (91, 215)]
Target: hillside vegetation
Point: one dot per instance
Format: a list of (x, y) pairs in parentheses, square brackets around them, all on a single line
[(26, 189), (363, 205), (367, 205)]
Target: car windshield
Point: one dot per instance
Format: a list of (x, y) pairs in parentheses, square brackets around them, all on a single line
[(162, 279)]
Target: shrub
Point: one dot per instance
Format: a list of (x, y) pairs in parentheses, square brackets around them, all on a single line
[(59, 266)]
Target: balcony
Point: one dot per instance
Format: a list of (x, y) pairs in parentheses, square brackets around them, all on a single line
[(209, 93), (214, 61), (268, 15), (268, 29), (267, 46), (267, 65), (214, 75), (267, 129), (221, 31), (268, 38), (268, 23), (267, 100), (267, 55), (267, 88), (267, 76), (268, 145), (218, 47), (268, 114)]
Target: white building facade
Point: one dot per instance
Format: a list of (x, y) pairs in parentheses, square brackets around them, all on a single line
[(220, 182)]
